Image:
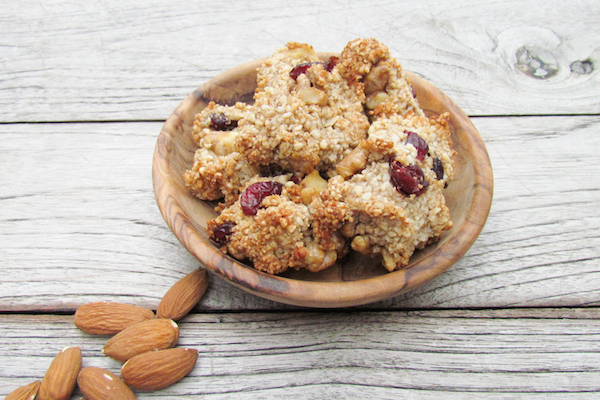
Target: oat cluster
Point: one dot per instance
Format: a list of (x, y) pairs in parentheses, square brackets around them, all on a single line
[(332, 156)]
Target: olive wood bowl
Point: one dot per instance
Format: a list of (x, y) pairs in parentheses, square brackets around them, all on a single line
[(356, 279)]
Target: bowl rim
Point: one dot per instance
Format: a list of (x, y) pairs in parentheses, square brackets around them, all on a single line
[(317, 294)]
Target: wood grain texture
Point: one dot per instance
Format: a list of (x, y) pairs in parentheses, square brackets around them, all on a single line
[(354, 282), (492, 354), (79, 223), (126, 60)]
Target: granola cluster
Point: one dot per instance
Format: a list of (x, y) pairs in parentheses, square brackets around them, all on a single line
[(331, 156)]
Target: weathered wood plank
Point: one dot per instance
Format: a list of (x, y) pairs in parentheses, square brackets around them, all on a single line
[(530, 354), (124, 60), (78, 221)]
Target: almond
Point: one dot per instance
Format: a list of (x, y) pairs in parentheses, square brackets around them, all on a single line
[(158, 369), (109, 318), (27, 392), (100, 384), (183, 295), (153, 334), (61, 377)]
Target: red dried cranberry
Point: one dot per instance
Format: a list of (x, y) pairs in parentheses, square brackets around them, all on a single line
[(408, 180), (296, 179), (303, 67), (222, 233), (414, 92), (438, 168), (418, 143), (333, 61), (254, 194), (220, 122)]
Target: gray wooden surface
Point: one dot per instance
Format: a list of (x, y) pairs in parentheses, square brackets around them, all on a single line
[(85, 88)]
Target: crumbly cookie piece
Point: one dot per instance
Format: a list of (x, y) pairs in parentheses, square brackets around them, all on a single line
[(279, 235), (385, 84), (311, 120), (387, 217), (219, 170), (216, 120), (386, 222), (213, 177), (392, 133)]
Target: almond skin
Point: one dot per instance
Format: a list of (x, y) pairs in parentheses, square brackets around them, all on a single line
[(109, 318), (158, 369), (154, 334), (27, 392), (183, 295), (100, 384), (61, 377)]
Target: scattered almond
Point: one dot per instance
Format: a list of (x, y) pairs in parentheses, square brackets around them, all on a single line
[(100, 384), (109, 318), (158, 369), (154, 334), (27, 392), (183, 295), (61, 377)]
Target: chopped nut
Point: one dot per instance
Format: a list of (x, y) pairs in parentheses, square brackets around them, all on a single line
[(312, 185), (388, 260), (330, 259), (348, 229), (301, 52), (313, 95), (354, 161), (318, 259), (331, 121), (302, 82), (377, 78), (375, 99), (222, 143), (361, 244), (314, 180), (315, 255), (307, 195)]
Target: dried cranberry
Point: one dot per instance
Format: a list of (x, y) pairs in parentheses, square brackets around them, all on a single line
[(418, 143), (303, 67), (296, 179), (222, 233), (333, 61), (438, 168), (254, 194), (408, 180), (220, 122), (414, 92)]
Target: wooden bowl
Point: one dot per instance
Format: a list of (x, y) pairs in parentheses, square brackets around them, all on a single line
[(359, 280)]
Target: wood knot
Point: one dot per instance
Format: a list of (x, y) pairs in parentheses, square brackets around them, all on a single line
[(536, 62), (582, 67)]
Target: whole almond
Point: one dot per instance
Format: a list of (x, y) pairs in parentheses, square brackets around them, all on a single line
[(100, 384), (183, 295), (27, 392), (109, 318), (61, 377), (158, 369), (153, 334)]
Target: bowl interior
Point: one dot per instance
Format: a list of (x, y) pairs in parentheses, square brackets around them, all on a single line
[(356, 279)]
